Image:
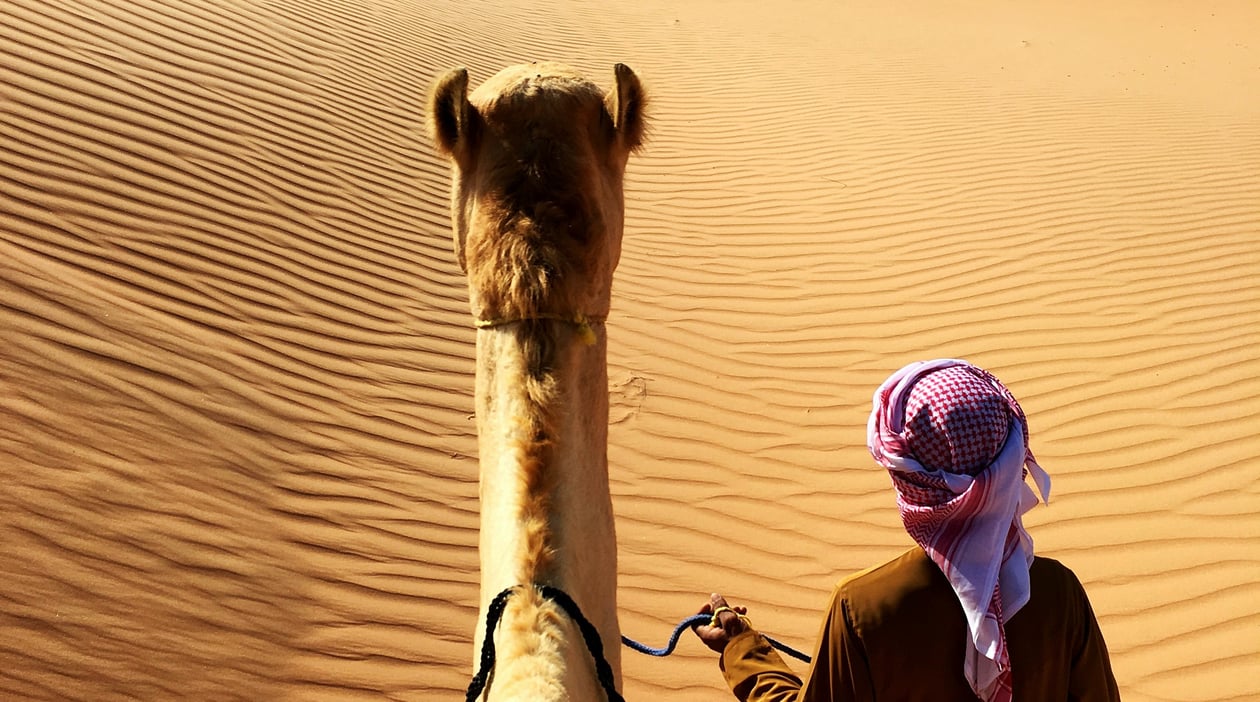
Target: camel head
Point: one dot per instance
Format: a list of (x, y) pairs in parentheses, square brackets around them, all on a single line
[(538, 156)]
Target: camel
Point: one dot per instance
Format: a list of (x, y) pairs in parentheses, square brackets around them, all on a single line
[(538, 156)]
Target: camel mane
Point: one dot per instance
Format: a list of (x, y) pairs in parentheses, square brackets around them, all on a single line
[(537, 342)]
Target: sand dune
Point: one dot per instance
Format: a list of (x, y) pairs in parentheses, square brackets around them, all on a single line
[(235, 409)]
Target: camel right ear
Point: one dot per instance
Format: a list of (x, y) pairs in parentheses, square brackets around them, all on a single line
[(626, 104), (449, 111)]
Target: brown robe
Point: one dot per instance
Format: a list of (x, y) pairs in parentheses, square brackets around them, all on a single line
[(896, 632)]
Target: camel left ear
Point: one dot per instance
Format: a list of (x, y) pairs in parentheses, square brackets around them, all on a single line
[(450, 112), (625, 104)]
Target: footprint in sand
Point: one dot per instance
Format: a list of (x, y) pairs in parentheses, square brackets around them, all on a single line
[(625, 397)]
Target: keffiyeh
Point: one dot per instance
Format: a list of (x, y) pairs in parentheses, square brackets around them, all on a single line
[(955, 443)]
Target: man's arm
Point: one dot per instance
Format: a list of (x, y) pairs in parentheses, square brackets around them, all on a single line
[(756, 672), (838, 673)]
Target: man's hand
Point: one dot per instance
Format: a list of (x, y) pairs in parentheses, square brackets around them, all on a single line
[(728, 623)]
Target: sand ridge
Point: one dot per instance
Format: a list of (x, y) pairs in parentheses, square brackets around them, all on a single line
[(235, 382)]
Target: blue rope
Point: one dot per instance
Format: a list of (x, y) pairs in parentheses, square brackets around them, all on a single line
[(692, 621), (673, 638)]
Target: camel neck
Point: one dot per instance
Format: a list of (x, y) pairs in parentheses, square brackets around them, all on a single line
[(545, 505)]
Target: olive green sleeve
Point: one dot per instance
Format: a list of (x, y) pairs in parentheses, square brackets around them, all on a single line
[(755, 672)]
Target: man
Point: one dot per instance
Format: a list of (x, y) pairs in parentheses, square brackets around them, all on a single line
[(969, 613)]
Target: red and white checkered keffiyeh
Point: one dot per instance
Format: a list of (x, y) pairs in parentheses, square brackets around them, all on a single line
[(955, 442)]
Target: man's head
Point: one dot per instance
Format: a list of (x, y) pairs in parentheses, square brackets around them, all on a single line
[(944, 415)]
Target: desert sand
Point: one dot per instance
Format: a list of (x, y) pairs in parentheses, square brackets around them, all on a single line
[(236, 443)]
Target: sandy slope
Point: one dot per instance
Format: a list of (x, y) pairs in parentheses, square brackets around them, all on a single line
[(235, 432)]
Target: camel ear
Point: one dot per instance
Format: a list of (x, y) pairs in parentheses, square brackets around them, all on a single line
[(625, 105), (450, 111)]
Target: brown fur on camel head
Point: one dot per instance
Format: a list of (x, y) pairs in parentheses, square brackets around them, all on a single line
[(539, 154)]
